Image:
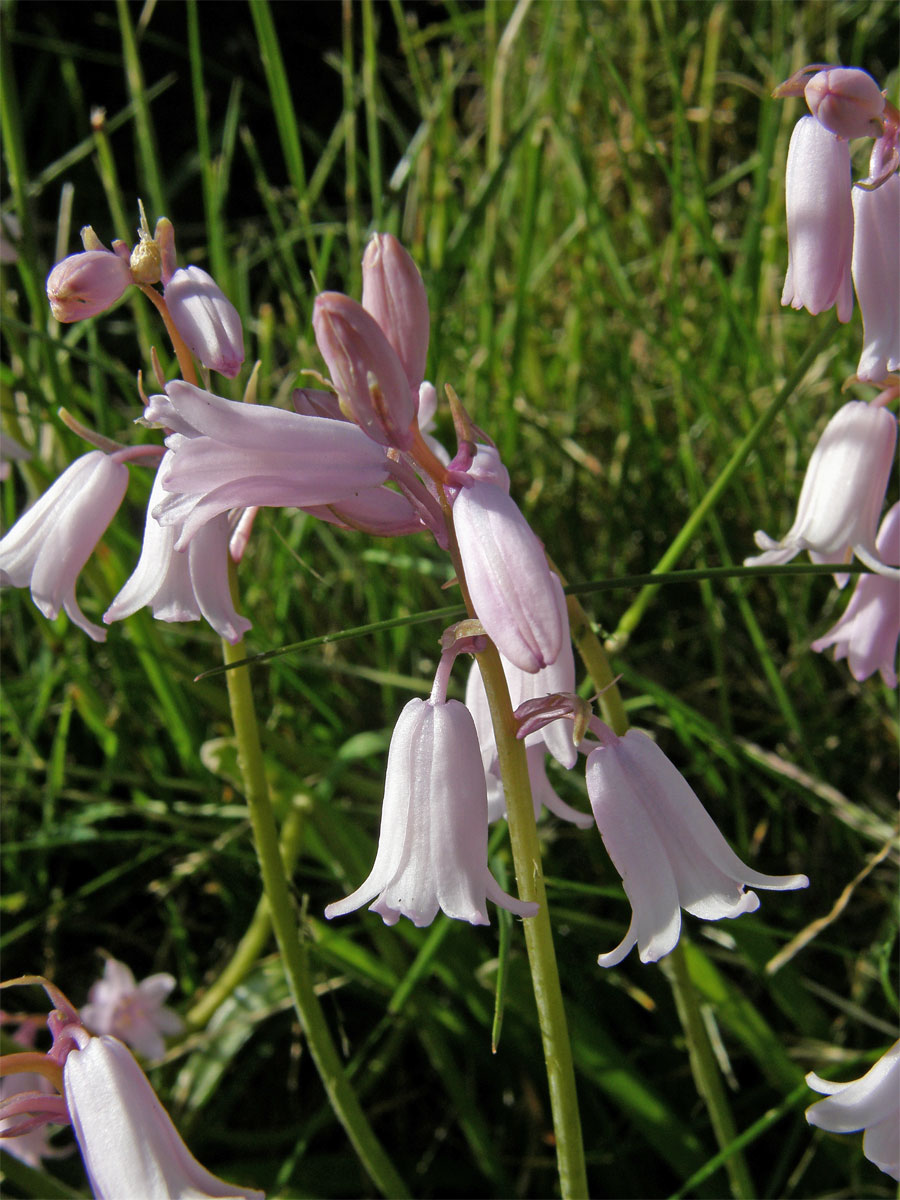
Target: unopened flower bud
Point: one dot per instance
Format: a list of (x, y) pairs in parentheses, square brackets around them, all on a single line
[(164, 236), (394, 293), (83, 285), (846, 101), (206, 319), (369, 377)]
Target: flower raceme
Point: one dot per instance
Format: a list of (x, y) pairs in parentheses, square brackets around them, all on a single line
[(432, 847), (48, 546), (872, 1103), (843, 493), (665, 845), (867, 633), (819, 221)]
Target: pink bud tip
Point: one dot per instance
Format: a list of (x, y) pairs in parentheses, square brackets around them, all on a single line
[(83, 285), (846, 101)]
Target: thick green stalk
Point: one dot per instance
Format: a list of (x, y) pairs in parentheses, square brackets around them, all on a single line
[(341, 1095), (632, 617), (538, 934)]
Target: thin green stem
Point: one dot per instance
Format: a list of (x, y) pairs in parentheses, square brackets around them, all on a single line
[(632, 617), (538, 934), (341, 1095), (706, 1071)]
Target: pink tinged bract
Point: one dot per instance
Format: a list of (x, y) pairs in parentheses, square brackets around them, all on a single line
[(48, 546), (868, 632), (871, 1103), (393, 291), (876, 277), (819, 221), (843, 493), (515, 594), (432, 848), (128, 1142), (135, 1013), (85, 284), (369, 377), (666, 847), (231, 455), (206, 319), (847, 101), (181, 585)]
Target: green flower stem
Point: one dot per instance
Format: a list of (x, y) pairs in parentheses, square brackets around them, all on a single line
[(633, 615), (253, 943), (538, 935), (341, 1095), (706, 1070)]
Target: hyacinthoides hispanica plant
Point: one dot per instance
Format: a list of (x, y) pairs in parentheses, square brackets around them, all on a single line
[(412, 885)]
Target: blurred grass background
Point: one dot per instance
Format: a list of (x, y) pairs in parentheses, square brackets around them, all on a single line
[(594, 194)]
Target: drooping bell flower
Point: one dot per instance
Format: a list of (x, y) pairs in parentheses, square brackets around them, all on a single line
[(819, 221), (846, 101), (369, 377), (515, 594), (393, 291), (876, 277), (868, 632), (842, 494), (227, 455), (128, 1143), (665, 845), (135, 1013), (872, 1103), (184, 585), (48, 546), (432, 847), (206, 319), (88, 283)]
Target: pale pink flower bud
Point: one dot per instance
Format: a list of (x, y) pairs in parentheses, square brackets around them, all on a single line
[(666, 847), (868, 632), (394, 293), (846, 101), (206, 319), (515, 594), (127, 1140), (133, 1012), (842, 494), (180, 585), (48, 546), (432, 848), (819, 221), (85, 284), (872, 1103), (876, 277), (365, 369)]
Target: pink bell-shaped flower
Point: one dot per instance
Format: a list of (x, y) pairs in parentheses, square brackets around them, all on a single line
[(228, 455), (819, 221), (872, 1103), (135, 1013), (843, 492), (432, 848), (847, 101), (48, 546), (516, 596), (88, 283), (867, 633), (543, 793), (876, 277), (206, 319), (370, 379), (181, 585), (666, 847), (393, 291)]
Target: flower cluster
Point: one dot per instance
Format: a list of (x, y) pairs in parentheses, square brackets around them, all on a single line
[(843, 236)]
